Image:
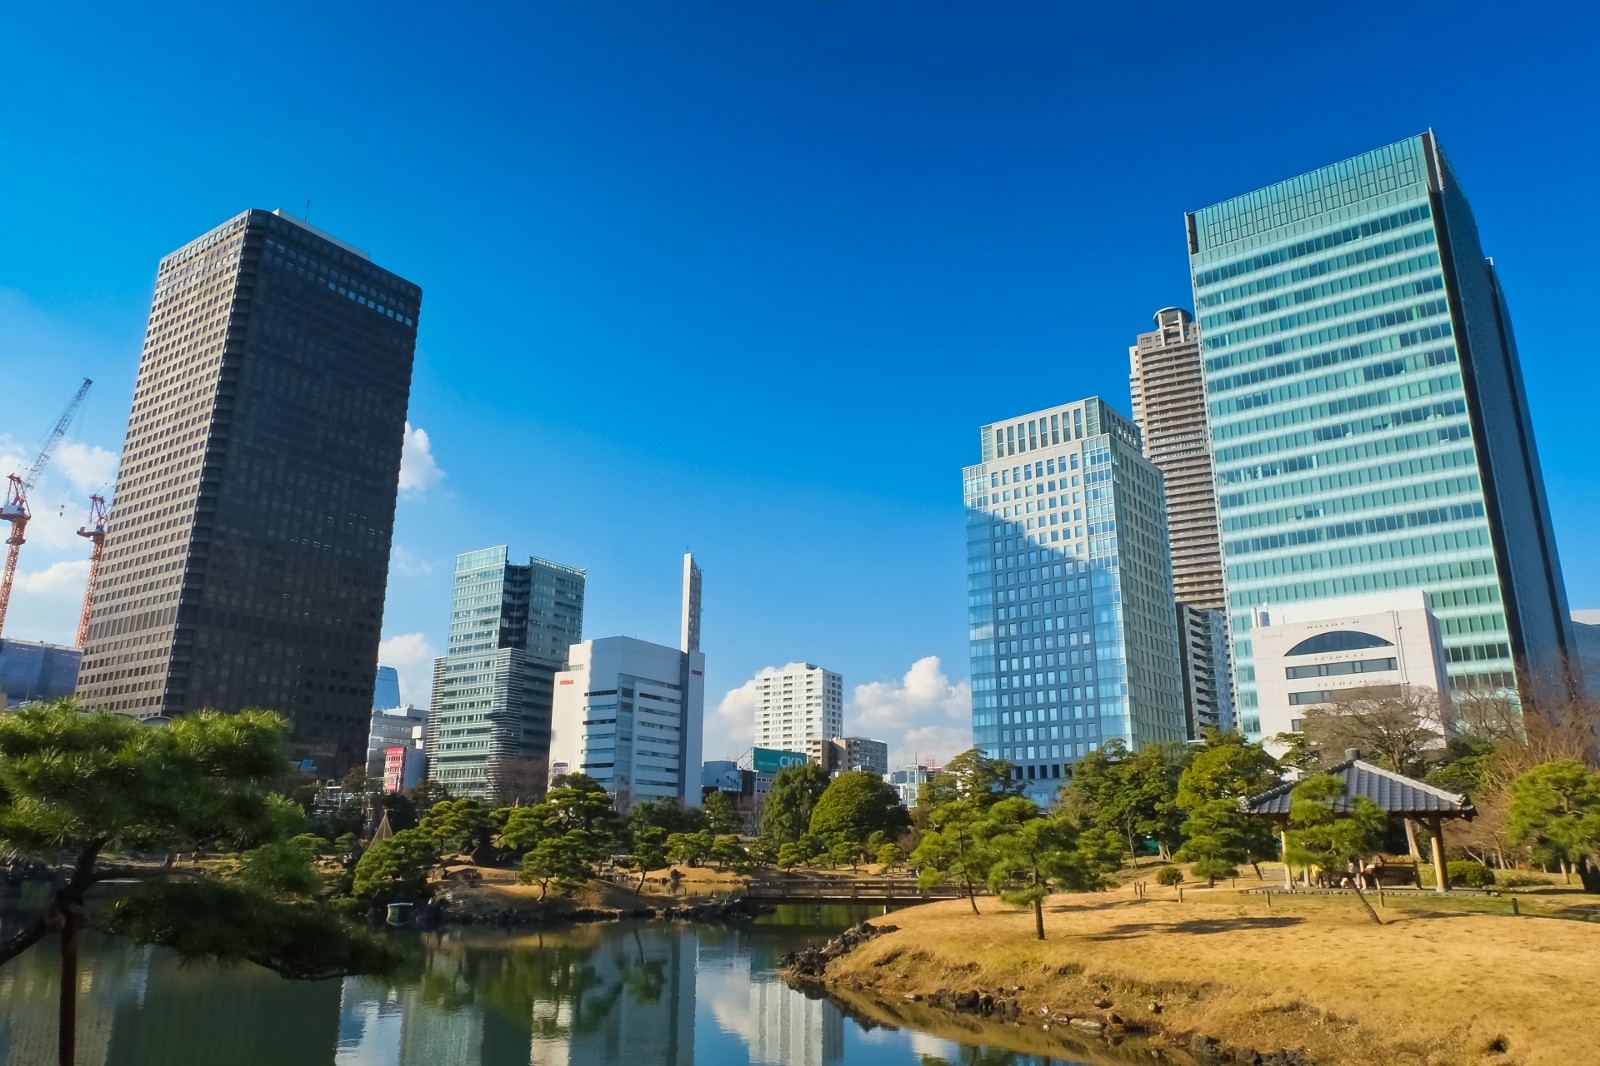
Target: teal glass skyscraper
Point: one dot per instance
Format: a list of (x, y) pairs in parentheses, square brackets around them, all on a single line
[(511, 628), (1072, 634), (1368, 421)]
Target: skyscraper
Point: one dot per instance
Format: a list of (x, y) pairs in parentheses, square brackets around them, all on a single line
[(1069, 592), (248, 554), (1369, 426), (798, 705), (510, 628), (1169, 407)]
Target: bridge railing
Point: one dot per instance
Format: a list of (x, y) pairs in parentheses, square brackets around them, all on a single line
[(851, 890)]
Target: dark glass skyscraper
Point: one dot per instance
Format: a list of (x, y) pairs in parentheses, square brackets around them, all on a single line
[(248, 551), (1369, 426)]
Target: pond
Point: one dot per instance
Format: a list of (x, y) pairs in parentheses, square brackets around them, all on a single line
[(610, 994)]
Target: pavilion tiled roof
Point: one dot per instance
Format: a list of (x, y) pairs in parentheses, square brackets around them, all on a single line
[(1395, 793)]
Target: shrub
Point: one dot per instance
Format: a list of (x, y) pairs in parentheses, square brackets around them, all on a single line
[(1521, 881), (1469, 873), (1464, 872), (1169, 875)]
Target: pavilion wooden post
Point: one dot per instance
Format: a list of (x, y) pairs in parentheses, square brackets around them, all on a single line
[(1283, 839), (1441, 875)]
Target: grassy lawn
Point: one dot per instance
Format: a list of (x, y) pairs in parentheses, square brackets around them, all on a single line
[(1447, 981)]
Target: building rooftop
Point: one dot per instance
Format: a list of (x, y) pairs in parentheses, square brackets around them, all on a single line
[(1395, 793)]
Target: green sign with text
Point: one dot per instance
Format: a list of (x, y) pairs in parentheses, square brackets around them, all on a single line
[(770, 760)]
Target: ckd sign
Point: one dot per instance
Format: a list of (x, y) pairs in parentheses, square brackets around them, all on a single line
[(770, 760)]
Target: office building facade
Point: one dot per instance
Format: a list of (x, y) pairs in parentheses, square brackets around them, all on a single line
[(1207, 687), (31, 671), (631, 714), (800, 705), (1369, 426), (1308, 653), (1069, 590), (386, 691), (510, 628), (247, 560), (393, 727), (839, 754), (628, 714)]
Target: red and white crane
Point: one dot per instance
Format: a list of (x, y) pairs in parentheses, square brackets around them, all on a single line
[(95, 530), (15, 508)]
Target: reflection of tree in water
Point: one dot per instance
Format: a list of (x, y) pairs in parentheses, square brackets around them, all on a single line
[(989, 1056), (552, 972)]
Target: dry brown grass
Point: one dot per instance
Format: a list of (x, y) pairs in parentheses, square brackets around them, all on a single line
[(1439, 985)]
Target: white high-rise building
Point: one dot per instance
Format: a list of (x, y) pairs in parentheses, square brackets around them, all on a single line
[(798, 706), (630, 713)]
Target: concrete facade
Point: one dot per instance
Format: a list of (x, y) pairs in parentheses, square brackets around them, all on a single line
[(629, 714), (850, 753), (798, 706), (393, 727), (1307, 653), (1207, 682), (1169, 407)]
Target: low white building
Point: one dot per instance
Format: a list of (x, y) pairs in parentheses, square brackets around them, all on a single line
[(629, 714), (1305, 654)]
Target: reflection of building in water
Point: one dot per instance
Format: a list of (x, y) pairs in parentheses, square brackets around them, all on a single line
[(30, 984), (634, 1004), (232, 1014), (791, 1030)]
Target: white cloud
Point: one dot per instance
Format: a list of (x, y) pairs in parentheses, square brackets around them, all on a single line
[(419, 470), (46, 603), (88, 467), (922, 716), (408, 563), (412, 657), (731, 728)]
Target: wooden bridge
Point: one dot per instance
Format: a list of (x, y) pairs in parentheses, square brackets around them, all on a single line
[(842, 891)]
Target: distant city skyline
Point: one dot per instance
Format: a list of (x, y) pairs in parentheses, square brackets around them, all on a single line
[(739, 282)]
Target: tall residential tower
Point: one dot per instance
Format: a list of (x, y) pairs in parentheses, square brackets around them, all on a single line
[(510, 629), (798, 705), (1169, 406), (1069, 593), (1368, 420), (248, 555)]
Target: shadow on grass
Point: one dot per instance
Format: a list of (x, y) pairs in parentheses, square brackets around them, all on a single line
[(1195, 927)]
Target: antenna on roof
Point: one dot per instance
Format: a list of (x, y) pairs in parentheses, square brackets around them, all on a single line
[(308, 209)]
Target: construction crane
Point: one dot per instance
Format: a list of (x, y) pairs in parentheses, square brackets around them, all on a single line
[(95, 530), (15, 509)]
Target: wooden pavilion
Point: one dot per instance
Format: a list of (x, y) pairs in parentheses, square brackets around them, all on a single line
[(1396, 794)]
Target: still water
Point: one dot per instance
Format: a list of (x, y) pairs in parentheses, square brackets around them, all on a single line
[(630, 994)]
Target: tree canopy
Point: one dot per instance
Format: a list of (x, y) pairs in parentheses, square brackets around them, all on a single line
[(79, 787), (1134, 793), (786, 814), (1321, 837), (855, 805)]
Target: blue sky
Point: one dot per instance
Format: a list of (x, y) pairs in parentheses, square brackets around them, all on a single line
[(746, 278)]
